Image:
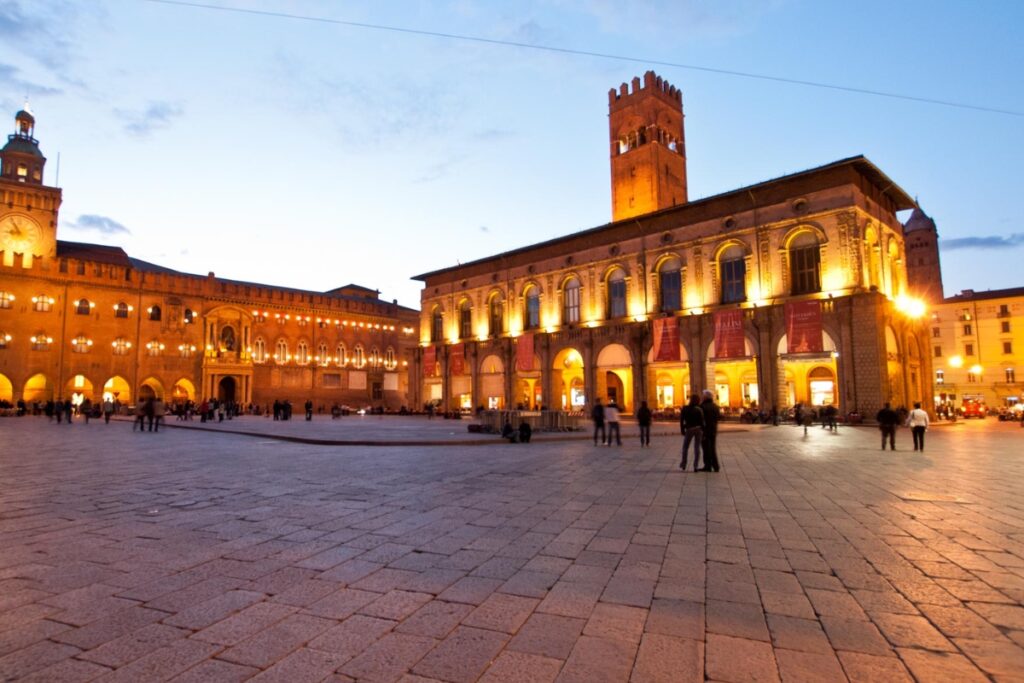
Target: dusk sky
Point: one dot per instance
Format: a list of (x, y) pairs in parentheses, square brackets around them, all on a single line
[(312, 154)]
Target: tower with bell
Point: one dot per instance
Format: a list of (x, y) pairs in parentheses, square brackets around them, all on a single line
[(28, 208)]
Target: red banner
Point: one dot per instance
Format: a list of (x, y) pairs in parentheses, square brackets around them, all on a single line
[(803, 327), (666, 339), (729, 334), (429, 361), (457, 359), (524, 352)]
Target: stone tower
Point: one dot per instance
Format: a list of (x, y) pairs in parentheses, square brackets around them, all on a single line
[(28, 208), (648, 151), (924, 270)]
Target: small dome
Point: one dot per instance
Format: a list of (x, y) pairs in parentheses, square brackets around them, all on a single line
[(25, 115)]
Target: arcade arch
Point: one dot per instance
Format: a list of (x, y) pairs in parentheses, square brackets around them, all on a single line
[(614, 377), (492, 383), (117, 389), (6, 389), (37, 388), (567, 380)]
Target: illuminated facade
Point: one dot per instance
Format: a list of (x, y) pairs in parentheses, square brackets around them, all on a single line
[(87, 321), (977, 348), (585, 316)]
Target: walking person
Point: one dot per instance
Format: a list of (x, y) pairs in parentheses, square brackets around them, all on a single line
[(108, 410), (918, 423), (712, 414), (887, 419), (691, 424), (597, 414), (611, 416), (149, 410), (309, 410), (643, 418), (140, 416), (159, 410), (69, 408), (86, 409), (58, 409)]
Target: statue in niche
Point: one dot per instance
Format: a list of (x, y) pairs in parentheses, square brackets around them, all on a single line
[(227, 338)]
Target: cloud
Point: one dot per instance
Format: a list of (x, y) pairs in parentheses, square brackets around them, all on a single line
[(11, 81), (156, 116), (987, 242), (39, 29), (103, 224)]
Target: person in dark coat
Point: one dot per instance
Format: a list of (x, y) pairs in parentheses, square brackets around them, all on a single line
[(525, 432), (711, 417), (691, 424), (309, 410), (597, 414), (643, 418), (887, 419)]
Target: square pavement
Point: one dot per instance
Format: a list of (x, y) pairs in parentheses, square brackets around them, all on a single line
[(193, 555)]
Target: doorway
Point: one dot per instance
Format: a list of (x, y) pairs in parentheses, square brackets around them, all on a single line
[(226, 390)]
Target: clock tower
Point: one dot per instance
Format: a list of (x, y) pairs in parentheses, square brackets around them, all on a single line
[(28, 208)]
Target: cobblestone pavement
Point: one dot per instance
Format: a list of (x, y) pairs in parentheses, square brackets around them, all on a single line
[(193, 556)]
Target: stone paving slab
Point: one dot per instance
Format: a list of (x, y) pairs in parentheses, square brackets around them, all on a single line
[(195, 555)]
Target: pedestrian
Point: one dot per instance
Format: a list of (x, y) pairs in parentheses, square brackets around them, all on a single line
[(887, 419), (918, 423), (68, 410), (108, 409), (710, 437), (611, 416), (86, 409), (643, 418), (597, 414), (525, 432), (691, 424), (309, 410), (149, 410), (58, 409), (159, 409)]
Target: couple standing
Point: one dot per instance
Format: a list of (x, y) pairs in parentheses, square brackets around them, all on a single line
[(699, 424)]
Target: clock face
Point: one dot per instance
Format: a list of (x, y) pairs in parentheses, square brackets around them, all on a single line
[(19, 234)]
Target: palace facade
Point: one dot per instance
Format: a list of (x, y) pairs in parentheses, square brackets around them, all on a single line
[(88, 321), (791, 290)]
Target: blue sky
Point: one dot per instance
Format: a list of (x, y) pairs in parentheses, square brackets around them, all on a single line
[(312, 154)]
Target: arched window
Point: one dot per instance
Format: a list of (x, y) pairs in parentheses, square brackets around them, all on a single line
[(390, 362), (155, 312), (321, 354), (81, 344), (732, 274), (436, 325), (281, 351), (358, 356), (531, 314), (121, 346), (40, 341), (42, 303), (340, 355), (83, 307), (571, 301), (302, 352), (670, 285), (616, 304), (375, 357), (190, 317), (6, 299), (259, 350), (496, 315), (465, 320), (121, 310), (154, 348), (805, 264), (186, 350)]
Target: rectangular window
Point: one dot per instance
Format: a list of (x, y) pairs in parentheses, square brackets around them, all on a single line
[(1011, 377), (938, 352), (6, 299), (804, 268), (436, 327), (532, 311), (968, 349), (671, 288), (572, 305), (616, 299), (968, 330), (1007, 347), (940, 376), (1004, 327), (971, 377), (734, 281), (1004, 310), (936, 332), (465, 323)]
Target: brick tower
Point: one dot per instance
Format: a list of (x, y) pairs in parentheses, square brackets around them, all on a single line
[(28, 209), (648, 152), (924, 270)]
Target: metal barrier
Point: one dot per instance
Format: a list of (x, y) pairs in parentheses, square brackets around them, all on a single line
[(539, 420)]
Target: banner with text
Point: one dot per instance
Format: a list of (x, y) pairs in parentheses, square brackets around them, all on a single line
[(524, 353), (729, 334), (429, 361), (803, 327), (666, 339), (457, 358)]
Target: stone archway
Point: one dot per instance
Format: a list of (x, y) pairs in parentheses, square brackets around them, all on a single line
[(151, 388), (6, 389), (117, 389), (226, 389), (183, 390), (615, 376), (567, 381), (37, 388)]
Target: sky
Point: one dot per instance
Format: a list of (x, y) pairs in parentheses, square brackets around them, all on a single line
[(312, 154)]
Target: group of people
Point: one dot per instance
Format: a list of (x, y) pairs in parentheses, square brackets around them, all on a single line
[(888, 419), (608, 414)]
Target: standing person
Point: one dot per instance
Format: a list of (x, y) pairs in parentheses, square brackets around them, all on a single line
[(691, 424), (149, 410), (597, 414), (159, 409), (58, 409), (309, 410), (611, 416), (918, 423), (86, 409), (711, 416), (140, 416), (887, 419), (68, 410), (108, 410), (643, 418)]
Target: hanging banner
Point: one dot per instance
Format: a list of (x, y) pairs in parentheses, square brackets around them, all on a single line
[(666, 339), (729, 334), (429, 361), (457, 358), (803, 327), (524, 352)]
